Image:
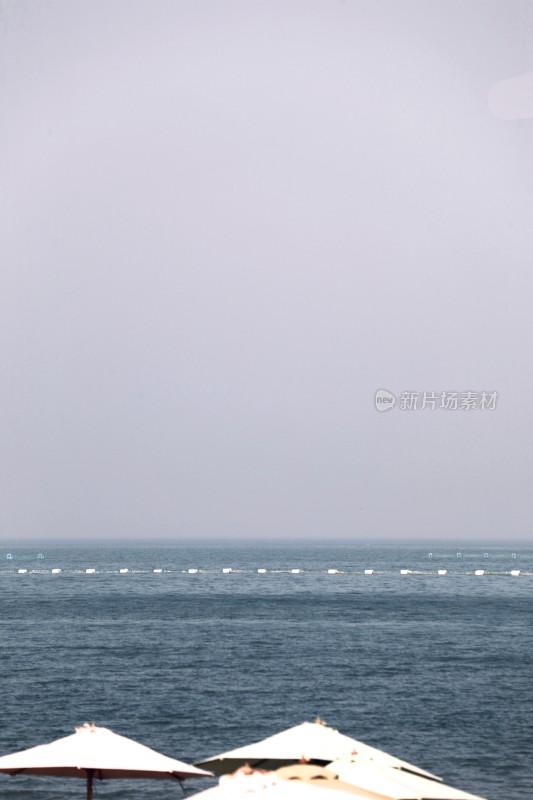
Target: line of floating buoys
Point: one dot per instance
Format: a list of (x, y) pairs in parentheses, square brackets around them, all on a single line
[(261, 571)]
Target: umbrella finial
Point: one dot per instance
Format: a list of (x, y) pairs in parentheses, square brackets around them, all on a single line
[(86, 728), (319, 721)]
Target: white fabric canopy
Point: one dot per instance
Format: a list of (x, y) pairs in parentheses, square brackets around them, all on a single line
[(397, 784), (110, 755), (310, 741), (247, 783), (99, 753)]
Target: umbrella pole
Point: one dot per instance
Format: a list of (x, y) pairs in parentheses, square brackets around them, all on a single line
[(90, 784)]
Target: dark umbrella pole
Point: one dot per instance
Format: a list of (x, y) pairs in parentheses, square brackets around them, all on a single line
[(90, 775)]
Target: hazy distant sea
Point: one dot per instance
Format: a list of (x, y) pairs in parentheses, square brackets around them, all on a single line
[(435, 669)]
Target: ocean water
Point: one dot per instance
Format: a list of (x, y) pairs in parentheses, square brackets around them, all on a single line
[(436, 669)]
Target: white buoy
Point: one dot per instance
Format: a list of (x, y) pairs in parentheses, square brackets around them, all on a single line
[(90, 571), (22, 571), (295, 571), (332, 571), (405, 572), (124, 570), (56, 571), (158, 570), (226, 570), (369, 571), (479, 572), (261, 571), (515, 572), (442, 572), (192, 571)]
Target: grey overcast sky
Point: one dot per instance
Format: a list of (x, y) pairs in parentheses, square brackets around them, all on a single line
[(225, 225)]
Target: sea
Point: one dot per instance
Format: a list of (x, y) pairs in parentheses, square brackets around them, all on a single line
[(424, 651)]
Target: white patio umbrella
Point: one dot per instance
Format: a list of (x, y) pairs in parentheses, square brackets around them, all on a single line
[(322, 778), (249, 784), (313, 742), (394, 783), (93, 752)]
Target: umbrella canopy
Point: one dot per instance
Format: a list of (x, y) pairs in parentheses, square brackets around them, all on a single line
[(322, 778), (392, 782), (250, 784), (312, 742), (93, 752)]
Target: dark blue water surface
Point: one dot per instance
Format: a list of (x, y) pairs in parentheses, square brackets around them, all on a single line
[(434, 669)]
